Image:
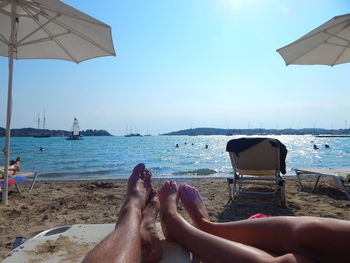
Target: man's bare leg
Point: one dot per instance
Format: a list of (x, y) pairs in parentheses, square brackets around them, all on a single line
[(124, 243), (151, 247), (309, 236), (207, 247)]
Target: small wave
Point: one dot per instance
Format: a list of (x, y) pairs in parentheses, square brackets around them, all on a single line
[(204, 171), (65, 174)]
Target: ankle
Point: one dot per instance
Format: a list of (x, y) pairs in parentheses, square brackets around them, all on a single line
[(132, 202), (202, 223), (130, 208)]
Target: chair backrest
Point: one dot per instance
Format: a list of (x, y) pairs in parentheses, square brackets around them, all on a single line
[(261, 159)]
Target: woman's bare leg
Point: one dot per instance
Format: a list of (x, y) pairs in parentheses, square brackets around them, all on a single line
[(151, 247), (309, 236), (124, 243), (207, 247)]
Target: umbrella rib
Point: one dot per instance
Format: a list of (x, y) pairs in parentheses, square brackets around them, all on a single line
[(5, 3), (334, 44), (6, 13), (78, 33), (301, 39), (332, 35), (2, 11), (36, 30), (83, 37), (50, 35), (93, 21), (96, 22), (4, 40), (49, 38), (341, 53)]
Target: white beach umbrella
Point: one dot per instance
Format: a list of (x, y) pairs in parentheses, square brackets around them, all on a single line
[(328, 44), (47, 29)]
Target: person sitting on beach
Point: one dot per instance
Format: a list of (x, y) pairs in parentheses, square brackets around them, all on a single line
[(15, 166), (271, 239)]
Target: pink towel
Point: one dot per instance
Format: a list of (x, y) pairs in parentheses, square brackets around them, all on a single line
[(258, 215)]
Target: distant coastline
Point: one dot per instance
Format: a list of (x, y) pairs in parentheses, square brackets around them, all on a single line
[(229, 132), (30, 132)]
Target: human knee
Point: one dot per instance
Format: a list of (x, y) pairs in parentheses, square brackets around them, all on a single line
[(292, 258), (307, 230)]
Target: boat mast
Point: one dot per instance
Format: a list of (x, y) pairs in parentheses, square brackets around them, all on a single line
[(38, 121), (44, 121)]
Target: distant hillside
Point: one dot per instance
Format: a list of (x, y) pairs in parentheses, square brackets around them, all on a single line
[(29, 132), (216, 131)]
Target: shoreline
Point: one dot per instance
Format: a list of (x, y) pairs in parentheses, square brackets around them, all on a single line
[(57, 203), (43, 178)]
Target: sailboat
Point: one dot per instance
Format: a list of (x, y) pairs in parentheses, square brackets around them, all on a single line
[(41, 134), (75, 131), (131, 134)]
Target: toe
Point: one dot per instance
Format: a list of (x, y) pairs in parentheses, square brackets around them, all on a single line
[(137, 171), (148, 177), (173, 186)]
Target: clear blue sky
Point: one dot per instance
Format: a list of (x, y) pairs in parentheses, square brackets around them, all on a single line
[(205, 63)]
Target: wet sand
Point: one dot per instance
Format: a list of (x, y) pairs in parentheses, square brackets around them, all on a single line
[(52, 204)]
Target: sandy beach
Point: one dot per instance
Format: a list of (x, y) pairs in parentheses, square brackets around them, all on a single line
[(57, 203)]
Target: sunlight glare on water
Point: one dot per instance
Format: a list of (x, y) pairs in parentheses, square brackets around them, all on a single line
[(114, 157)]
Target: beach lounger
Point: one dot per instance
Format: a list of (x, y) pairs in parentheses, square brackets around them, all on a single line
[(29, 175), (341, 177), (257, 161), (21, 177), (71, 243)]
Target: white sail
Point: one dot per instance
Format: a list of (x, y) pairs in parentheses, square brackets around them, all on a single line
[(75, 128)]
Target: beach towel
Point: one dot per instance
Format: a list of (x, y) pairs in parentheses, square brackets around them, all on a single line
[(258, 215), (239, 145)]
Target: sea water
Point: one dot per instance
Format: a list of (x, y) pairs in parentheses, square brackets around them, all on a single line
[(115, 156)]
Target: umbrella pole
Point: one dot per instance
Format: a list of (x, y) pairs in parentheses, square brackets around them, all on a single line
[(9, 105), (8, 133)]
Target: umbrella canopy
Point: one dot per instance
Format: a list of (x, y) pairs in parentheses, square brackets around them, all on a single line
[(47, 29), (328, 44), (53, 30)]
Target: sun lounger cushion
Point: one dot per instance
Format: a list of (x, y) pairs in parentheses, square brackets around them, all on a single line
[(19, 179), (239, 145)]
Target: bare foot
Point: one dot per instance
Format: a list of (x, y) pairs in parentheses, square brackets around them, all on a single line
[(139, 186), (151, 248), (193, 204), (168, 197)]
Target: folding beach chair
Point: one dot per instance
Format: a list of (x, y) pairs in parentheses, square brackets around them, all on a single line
[(27, 176), (20, 177), (257, 161), (340, 176)]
